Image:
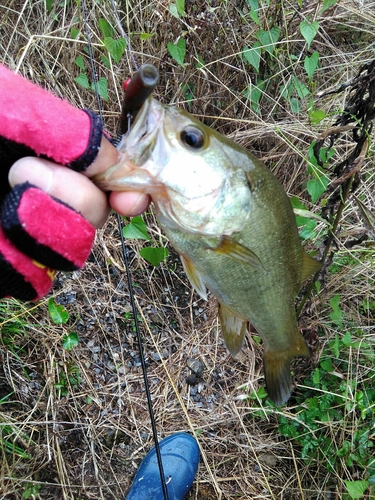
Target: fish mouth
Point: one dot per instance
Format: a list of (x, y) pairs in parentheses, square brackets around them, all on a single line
[(136, 147)]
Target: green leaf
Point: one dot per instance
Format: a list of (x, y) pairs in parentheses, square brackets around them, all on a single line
[(146, 36), (316, 376), (309, 30), (300, 87), (294, 104), (178, 51), (347, 338), (269, 38), (254, 6), (136, 230), (336, 315), (311, 63), (31, 491), (254, 94), (327, 4), (115, 47), (154, 255), (173, 10), (316, 187), (80, 62), (299, 207), (180, 4), (356, 489), (105, 28), (308, 232), (74, 33), (188, 91), (316, 116), (254, 16), (70, 341), (200, 64), (49, 4), (252, 55), (335, 346), (102, 86), (327, 365), (105, 61), (261, 393), (58, 314), (287, 90), (306, 214), (82, 80)]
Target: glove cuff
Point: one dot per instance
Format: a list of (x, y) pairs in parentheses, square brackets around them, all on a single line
[(93, 144)]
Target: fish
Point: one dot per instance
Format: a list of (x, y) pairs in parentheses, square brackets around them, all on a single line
[(232, 224)]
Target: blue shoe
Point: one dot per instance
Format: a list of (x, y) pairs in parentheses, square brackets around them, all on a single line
[(180, 457)]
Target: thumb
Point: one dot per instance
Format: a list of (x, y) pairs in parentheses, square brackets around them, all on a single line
[(69, 186)]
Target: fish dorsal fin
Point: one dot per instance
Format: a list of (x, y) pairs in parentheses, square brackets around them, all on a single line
[(233, 328), (238, 252), (309, 266), (194, 276)]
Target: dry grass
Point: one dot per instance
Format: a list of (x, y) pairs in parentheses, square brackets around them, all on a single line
[(88, 443)]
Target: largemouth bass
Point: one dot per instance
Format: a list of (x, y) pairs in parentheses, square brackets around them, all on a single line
[(232, 224)]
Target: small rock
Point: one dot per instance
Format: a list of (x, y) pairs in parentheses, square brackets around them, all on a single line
[(200, 387), (195, 366), (158, 318), (191, 379), (268, 459), (162, 355), (193, 391)]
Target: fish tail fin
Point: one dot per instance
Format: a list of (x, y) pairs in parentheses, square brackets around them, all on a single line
[(277, 370)]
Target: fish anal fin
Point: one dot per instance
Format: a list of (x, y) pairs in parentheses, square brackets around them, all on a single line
[(238, 252), (233, 328), (276, 365), (194, 276), (309, 266)]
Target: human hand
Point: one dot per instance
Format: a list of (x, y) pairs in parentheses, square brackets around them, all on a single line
[(39, 233), (87, 199)]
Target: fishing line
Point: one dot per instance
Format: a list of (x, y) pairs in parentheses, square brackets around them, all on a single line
[(125, 249)]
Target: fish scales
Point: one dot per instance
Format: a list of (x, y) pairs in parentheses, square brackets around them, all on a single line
[(262, 295), (232, 224)]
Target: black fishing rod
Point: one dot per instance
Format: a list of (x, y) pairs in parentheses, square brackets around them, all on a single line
[(137, 90)]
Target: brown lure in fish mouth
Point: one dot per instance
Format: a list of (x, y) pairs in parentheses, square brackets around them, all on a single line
[(137, 90)]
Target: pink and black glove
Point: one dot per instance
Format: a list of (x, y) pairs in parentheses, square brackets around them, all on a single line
[(39, 233)]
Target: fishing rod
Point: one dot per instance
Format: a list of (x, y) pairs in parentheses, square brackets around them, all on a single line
[(137, 90)]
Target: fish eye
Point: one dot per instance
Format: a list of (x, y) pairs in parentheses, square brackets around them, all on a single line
[(193, 137)]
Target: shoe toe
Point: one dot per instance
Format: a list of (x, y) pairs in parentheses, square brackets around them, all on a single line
[(180, 457)]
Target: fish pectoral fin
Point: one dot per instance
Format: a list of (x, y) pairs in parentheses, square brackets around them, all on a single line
[(238, 252), (233, 328), (194, 276), (276, 365), (309, 266)]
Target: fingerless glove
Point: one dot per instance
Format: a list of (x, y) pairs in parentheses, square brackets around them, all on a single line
[(40, 233)]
